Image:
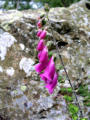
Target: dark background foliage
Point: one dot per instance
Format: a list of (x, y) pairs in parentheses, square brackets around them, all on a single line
[(57, 3), (25, 4)]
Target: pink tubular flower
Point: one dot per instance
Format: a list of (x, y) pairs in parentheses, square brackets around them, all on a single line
[(49, 72), (52, 85), (43, 59), (40, 67), (43, 34), (39, 54), (40, 45), (39, 32), (43, 55), (39, 24)]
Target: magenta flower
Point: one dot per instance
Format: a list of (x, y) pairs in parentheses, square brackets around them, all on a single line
[(40, 67), (39, 32), (49, 75), (39, 54), (43, 59), (43, 34), (52, 85), (40, 45), (49, 72), (43, 55), (39, 24)]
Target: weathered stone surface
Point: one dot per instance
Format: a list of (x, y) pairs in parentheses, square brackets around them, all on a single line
[(22, 93)]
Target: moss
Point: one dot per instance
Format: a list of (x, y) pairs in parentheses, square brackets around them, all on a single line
[(69, 90), (66, 91), (73, 108), (68, 98), (84, 119), (74, 117), (59, 67), (83, 90)]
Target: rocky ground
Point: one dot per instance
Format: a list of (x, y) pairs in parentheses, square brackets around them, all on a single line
[(22, 93)]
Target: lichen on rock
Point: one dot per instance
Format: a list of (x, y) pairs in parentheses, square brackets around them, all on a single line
[(26, 64), (6, 41), (1, 69), (10, 71)]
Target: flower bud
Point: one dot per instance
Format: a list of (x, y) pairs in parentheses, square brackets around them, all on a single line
[(39, 24)]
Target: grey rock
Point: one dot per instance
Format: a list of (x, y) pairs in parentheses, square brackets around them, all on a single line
[(24, 97)]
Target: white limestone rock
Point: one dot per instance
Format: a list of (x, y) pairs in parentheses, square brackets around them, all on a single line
[(1, 69), (6, 41), (26, 64), (10, 71), (22, 46)]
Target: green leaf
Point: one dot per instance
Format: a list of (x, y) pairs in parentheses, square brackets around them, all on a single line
[(69, 90), (43, 22), (60, 79), (50, 54), (66, 90), (68, 98), (84, 119), (63, 90), (75, 117), (73, 109), (83, 90), (86, 99), (87, 104), (41, 16)]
